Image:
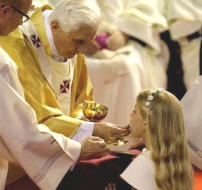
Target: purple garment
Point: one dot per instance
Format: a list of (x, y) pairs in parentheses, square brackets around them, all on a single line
[(101, 40)]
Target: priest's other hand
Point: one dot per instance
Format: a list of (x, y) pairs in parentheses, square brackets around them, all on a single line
[(133, 142), (107, 130), (92, 147), (116, 40)]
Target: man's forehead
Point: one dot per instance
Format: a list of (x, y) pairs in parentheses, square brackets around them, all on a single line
[(17, 3), (84, 34)]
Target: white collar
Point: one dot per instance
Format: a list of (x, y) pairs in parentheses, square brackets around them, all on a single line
[(147, 153), (140, 173), (55, 53)]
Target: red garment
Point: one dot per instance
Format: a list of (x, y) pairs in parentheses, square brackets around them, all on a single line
[(95, 174), (197, 179)]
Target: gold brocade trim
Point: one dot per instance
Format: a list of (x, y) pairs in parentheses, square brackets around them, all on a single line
[(48, 117)]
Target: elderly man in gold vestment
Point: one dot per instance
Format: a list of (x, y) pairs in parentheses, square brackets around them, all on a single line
[(52, 69), (45, 156)]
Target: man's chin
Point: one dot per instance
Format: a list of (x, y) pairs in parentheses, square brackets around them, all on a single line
[(67, 55), (6, 33), (71, 55)]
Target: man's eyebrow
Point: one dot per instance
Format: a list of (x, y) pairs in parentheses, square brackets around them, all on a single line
[(79, 41)]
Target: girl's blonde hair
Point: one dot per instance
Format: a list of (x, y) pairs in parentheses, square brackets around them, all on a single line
[(164, 116)]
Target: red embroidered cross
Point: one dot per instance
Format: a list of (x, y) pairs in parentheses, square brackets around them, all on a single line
[(65, 86), (36, 41)]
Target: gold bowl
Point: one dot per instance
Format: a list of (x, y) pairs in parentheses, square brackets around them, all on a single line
[(94, 111)]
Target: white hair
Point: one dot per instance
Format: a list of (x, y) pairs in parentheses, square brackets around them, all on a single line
[(53, 2), (72, 14)]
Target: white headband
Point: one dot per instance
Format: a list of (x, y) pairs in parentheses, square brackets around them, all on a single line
[(151, 96)]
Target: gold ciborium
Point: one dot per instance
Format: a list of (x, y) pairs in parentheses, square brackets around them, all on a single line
[(94, 111)]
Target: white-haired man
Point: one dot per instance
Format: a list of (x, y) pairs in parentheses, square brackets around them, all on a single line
[(53, 77), (21, 142)]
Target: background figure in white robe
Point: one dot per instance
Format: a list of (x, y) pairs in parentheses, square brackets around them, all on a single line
[(192, 106), (121, 69), (185, 21)]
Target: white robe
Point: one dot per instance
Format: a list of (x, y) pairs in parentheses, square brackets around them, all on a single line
[(120, 75), (116, 82), (44, 160), (140, 173), (185, 18), (192, 106)]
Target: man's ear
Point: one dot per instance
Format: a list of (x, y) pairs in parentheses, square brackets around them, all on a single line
[(5, 12), (55, 27)]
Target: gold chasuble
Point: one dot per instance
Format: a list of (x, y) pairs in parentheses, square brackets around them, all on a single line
[(38, 91)]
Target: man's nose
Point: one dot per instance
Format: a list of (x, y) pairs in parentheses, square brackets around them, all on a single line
[(20, 22), (81, 49)]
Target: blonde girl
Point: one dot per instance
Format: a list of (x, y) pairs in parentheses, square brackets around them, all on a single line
[(165, 165)]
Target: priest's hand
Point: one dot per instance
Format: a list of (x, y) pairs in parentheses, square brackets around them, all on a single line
[(107, 130), (92, 147), (133, 142), (116, 40)]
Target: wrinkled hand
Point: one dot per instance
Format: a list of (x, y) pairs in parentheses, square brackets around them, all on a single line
[(107, 130), (134, 142), (116, 40), (92, 147), (129, 143)]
